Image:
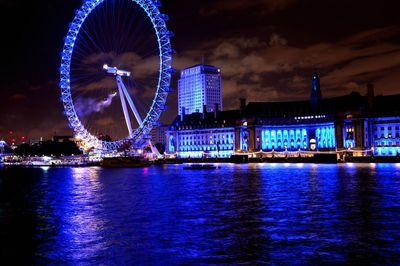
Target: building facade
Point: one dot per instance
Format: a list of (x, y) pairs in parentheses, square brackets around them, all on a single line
[(384, 125), (158, 134), (386, 136), (199, 86), (203, 135), (365, 125)]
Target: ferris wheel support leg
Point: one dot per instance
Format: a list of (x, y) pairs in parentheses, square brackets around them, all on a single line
[(130, 102), (154, 150), (124, 107)]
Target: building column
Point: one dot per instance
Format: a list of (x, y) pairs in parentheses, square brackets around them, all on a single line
[(339, 135), (359, 133), (237, 138)]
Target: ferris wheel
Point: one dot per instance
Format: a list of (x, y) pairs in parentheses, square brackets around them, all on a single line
[(116, 48)]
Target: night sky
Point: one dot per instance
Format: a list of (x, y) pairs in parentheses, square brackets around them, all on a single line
[(267, 50)]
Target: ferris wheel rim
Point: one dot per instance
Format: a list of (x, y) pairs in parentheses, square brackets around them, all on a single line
[(162, 34)]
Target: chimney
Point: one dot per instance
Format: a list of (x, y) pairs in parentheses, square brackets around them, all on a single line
[(316, 95), (182, 113), (216, 110), (242, 104), (204, 111), (370, 95)]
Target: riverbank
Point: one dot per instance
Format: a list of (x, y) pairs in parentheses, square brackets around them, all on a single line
[(237, 159), (316, 159)]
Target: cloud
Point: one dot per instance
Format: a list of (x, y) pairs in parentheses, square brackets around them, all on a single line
[(18, 97), (270, 69), (265, 6), (373, 35), (46, 128), (143, 80), (106, 121), (362, 66), (389, 82), (277, 40), (140, 67), (31, 117), (108, 83), (12, 3)]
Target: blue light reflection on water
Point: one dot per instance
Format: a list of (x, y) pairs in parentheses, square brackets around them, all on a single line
[(261, 213)]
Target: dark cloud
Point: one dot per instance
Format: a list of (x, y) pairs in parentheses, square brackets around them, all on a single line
[(106, 121), (250, 67), (18, 97), (33, 111), (277, 40), (265, 6), (10, 3)]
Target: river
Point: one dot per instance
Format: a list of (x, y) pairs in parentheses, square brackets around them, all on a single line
[(251, 214)]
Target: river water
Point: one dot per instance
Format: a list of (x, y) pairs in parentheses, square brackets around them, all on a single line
[(273, 214)]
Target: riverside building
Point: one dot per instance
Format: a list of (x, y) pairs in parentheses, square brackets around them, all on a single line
[(363, 125)]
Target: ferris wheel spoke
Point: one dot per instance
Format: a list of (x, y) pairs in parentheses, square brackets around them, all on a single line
[(95, 24), (123, 43), (82, 84), (140, 101), (92, 41), (132, 39)]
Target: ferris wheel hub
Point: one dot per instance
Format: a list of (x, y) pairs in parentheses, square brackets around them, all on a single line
[(116, 72)]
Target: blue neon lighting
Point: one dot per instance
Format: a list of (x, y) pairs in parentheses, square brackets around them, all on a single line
[(163, 36), (298, 137)]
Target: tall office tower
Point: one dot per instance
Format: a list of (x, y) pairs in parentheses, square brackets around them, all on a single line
[(199, 86)]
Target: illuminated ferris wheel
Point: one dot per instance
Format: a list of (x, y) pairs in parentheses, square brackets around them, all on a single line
[(116, 72)]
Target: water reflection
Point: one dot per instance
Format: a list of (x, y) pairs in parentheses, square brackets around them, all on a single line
[(239, 214)]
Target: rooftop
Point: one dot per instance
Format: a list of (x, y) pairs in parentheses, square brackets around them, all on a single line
[(296, 112)]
